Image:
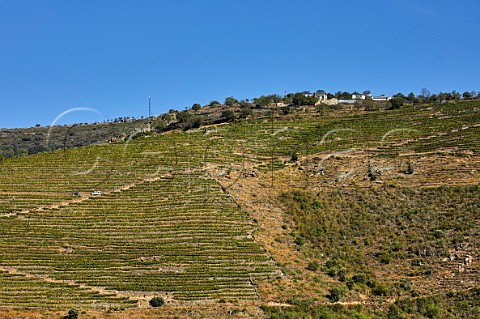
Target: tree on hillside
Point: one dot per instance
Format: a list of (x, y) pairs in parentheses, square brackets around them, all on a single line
[(246, 111), (444, 96), (167, 117), (411, 98), (368, 104), (183, 116), (456, 96), (396, 102), (433, 98), (425, 93), (299, 99), (230, 101), (287, 99), (193, 121), (159, 126), (243, 104), (467, 95), (196, 107), (276, 98), (228, 115), (343, 95), (263, 100), (214, 103)]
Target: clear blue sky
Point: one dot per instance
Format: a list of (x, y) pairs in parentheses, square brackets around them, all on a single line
[(110, 55)]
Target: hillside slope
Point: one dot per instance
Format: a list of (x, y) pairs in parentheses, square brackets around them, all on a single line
[(290, 211)]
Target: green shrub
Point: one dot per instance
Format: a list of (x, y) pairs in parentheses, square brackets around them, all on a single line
[(299, 240), (380, 289), (294, 157), (335, 294), (72, 314), (342, 273), (394, 312), (245, 112), (332, 272), (193, 122), (396, 103), (228, 115), (183, 116), (286, 110), (359, 278), (159, 126), (385, 257), (156, 302), (313, 265)]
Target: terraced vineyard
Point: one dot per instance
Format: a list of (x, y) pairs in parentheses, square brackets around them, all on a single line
[(143, 240), (19, 290), (169, 223), (160, 228)]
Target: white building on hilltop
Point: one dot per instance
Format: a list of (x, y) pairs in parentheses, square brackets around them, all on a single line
[(381, 98)]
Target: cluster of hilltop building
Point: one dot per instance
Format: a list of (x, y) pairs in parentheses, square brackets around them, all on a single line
[(323, 98)]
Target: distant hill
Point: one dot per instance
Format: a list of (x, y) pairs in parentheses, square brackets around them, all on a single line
[(28, 141)]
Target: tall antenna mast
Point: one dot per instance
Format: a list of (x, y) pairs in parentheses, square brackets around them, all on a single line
[(149, 107)]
